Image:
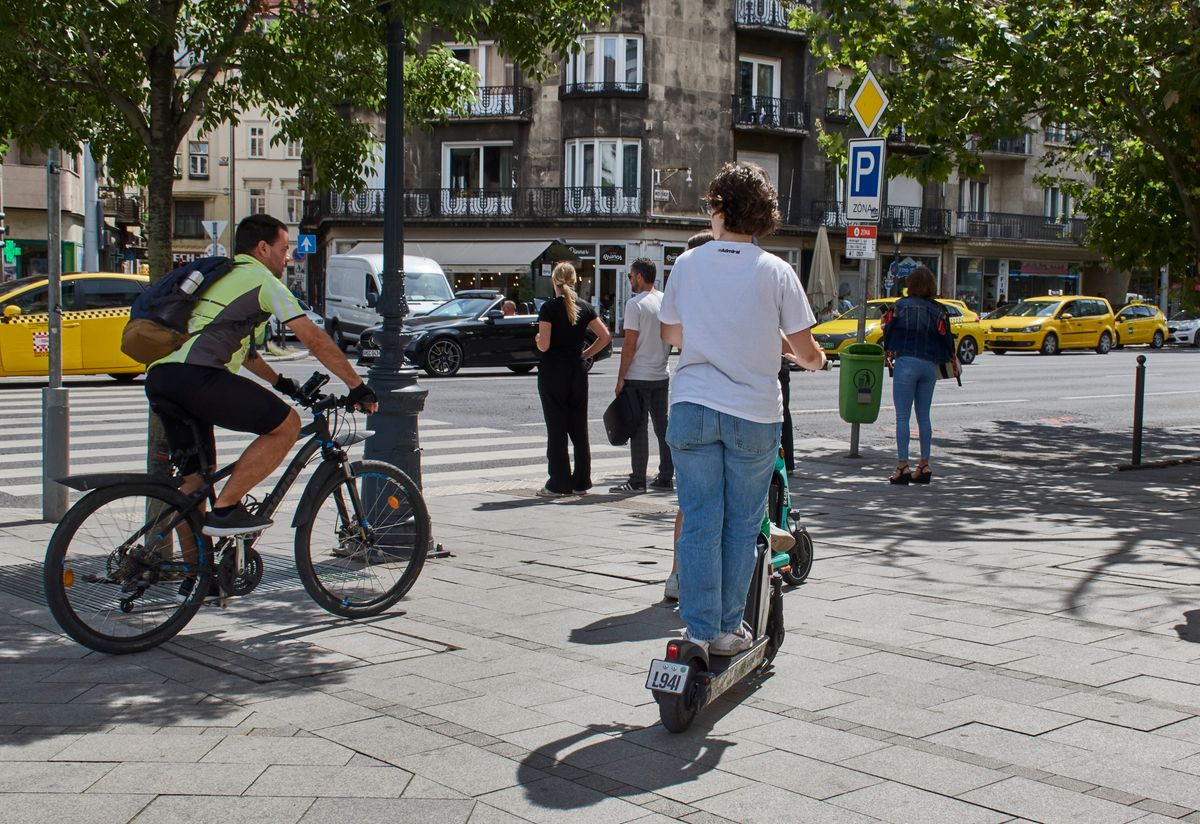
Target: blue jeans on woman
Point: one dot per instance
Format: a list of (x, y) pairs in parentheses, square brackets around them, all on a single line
[(723, 468), (913, 380)]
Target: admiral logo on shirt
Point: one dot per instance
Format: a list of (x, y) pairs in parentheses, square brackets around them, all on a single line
[(730, 251)]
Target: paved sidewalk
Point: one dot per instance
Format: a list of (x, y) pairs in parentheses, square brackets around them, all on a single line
[(1017, 641)]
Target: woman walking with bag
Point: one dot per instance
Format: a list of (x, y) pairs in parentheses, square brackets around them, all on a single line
[(917, 339), (562, 382)]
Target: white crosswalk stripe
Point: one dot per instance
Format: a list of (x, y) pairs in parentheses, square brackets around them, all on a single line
[(108, 434)]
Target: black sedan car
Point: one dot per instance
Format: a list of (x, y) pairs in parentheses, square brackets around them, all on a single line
[(470, 330)]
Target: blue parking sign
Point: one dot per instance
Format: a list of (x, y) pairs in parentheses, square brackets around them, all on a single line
[(306, 244), (866, 171)]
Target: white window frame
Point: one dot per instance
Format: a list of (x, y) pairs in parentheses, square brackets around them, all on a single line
[(1057, 205), (295, 149), (583, 195), (755, 61), (198, 159), (251, 197), (480, 51), (178, 165), (256, 134), (974, 195), (295, 204), (579, 73), (472, 203)]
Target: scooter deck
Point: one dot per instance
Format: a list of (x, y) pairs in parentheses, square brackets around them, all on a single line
[(725, 671)]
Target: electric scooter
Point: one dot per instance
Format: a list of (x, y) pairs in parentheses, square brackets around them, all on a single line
[(791, 546)]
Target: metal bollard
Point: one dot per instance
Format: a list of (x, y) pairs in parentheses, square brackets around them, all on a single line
[(1139, 400)]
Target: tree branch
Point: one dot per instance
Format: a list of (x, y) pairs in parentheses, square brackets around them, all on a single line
[(131, 111), (212, 67)]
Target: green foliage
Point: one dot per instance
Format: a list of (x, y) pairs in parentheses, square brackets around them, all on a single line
[(1123, 75)]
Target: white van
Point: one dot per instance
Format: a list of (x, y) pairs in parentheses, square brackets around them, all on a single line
[(352, 287)]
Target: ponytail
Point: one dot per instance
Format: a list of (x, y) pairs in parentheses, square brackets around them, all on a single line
[(564, 280)]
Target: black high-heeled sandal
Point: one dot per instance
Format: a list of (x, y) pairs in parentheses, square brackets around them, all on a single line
[(902, 476), (923, 474)]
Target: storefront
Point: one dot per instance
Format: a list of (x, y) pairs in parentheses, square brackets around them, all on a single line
[(505, 266), (983, 283), (26, 258)]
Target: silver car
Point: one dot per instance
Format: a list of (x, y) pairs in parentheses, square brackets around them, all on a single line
[(1184, 327)]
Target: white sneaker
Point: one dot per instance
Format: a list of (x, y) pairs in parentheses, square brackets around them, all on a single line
[(546, 492), (702, 644), (731, 643), (671, 587)]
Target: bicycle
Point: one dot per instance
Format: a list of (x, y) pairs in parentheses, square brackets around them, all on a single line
[(115, 564)]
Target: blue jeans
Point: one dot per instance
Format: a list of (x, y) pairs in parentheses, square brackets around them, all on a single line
[(913, 380), (723, 470)]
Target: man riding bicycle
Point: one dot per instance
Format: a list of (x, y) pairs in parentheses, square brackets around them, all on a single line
[(201, 377)]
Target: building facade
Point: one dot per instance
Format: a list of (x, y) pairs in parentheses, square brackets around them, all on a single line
[(608, 159), (23, 201)]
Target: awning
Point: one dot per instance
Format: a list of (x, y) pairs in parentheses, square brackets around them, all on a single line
[(507, 257)]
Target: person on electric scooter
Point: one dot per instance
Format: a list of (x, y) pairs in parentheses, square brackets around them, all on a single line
[(725, 306)]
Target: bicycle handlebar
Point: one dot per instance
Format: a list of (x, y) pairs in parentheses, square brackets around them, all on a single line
[(310, 397)]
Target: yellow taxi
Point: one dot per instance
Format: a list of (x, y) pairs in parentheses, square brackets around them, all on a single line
[(95, 309), (835, 335), (1141, 323), (1053, 323), (987, 321)]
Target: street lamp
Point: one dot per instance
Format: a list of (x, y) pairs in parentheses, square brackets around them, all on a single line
[(394, 383), (897, 237)]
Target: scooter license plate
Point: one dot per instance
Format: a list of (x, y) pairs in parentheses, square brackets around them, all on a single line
[(666, 676)]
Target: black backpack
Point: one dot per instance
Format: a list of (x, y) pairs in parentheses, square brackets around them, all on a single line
[(158, 319)]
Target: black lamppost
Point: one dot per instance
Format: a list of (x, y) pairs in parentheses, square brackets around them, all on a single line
[(400, 398), (897, 237)]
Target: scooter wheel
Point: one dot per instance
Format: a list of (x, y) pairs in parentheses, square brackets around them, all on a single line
[(678, 710), (800, 558), (775, 628)]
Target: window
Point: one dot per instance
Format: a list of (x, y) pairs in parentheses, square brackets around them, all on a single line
[(1057, 204), (473, 56), (258, 141), (973, 196), (198, 159), (294, 149), (480, 166), (836, 104), (31, 156), (603, 175), (295, 205), (189, 218), (607, 62), (258, 201), (1060, 133), (758, 77), (178, 165), (37, 301), (107, 293)]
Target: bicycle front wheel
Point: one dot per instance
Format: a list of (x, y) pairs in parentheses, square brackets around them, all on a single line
[(127, 568), (365, 542)]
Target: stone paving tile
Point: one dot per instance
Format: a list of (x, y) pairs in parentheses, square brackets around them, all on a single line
[(469, 770), (1006, 687), (1149, 748), (1006, 746), (899, 804), (33, 747), (100, 747), (1161, 809), (313, 710), (1006, 715), (770, 805), (1050, 805), (1102, 674), (897, 718), (1136, 778), (1055, 647), (925, 770), (553, 800), (679, 779), (386, 739), (178, 779), (52, 777), (173, 809), (331, 782), (487, 814), (273, 750), (1187, 730), (65, 808), (971, 650), (420, 787), (490, 716), (1126, 713), (1161, 689), (576, 746), (812, 740), (900, 689), (799, 774)]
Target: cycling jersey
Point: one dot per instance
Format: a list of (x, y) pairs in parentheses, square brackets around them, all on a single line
[(230, 313)]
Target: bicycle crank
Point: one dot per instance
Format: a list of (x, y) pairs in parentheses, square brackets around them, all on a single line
[(252, 571)]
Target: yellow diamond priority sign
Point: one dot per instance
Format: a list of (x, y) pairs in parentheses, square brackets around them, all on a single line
[(869, 103)]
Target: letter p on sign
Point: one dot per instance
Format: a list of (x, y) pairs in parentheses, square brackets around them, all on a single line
[(866, 171)]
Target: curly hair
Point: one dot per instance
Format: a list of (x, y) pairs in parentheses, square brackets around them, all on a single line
[(747, 200)]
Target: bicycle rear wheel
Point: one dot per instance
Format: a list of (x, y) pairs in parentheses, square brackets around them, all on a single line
[(358, 563), (115, 565)]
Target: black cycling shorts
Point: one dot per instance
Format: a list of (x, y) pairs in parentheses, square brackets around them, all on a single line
[(211, 397)]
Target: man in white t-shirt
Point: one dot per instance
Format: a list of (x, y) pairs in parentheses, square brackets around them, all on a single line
[(643, 376), (725, 306)]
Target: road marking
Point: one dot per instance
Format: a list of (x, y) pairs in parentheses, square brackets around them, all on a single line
[(1129, 395)]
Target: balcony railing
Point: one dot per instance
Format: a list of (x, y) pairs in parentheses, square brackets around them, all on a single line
[(914, 220), (517, 204), (613, 88), (125, 211), (1010, 145), (753, 111), (499, 101), (768, 14), (1005, 226), (837, 114)]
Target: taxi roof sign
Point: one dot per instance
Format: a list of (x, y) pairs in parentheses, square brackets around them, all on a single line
[(869, 103)]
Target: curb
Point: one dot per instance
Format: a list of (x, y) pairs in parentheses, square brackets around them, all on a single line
[(291, 356)]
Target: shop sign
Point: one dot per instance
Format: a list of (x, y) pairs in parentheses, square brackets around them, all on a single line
[(671, 254), (612, 255), (1035, 267), (582, 252)]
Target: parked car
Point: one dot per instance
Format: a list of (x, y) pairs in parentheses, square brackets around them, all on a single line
[(1053, 323), (1184, 327), (353, 286), (95, 309), (470, 330), (835, 335), (1141, 323), (280, 331)]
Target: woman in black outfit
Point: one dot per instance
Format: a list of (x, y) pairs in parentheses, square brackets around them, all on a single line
[(562, 382)]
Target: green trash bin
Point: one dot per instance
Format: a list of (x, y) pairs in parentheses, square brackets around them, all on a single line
[(861, 382)]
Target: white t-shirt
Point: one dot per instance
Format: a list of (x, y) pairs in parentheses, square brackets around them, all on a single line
[(650, 357), (732, 300)]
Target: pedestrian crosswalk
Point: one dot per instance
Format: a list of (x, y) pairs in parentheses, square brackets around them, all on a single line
[(108, 434)]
